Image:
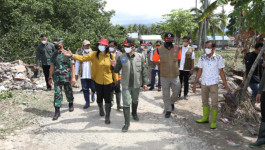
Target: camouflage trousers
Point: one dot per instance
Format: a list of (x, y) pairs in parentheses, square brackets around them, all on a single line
[(58, 95)]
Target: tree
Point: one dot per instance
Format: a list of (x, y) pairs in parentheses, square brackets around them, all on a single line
[(250, 18), (22, 22), (180, 22)]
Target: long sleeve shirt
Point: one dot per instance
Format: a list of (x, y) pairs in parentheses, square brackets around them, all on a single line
[(44, 53), (101, 68)]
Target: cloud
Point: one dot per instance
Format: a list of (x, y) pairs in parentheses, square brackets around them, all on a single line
[(146, 11)]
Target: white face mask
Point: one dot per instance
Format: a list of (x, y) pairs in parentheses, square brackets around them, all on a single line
[(142, 47), (43, 42), (111, 49), (128, 50), (101, 48), (208, 51), (86, 50)]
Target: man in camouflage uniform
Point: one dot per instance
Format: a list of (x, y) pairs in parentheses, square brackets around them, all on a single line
[(62, 72)]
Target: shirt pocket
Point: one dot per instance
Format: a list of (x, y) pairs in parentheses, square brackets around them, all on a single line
[(138, 66)]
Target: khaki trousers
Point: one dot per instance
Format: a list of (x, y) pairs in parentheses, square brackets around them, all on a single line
[(167, 85), (210, 91)]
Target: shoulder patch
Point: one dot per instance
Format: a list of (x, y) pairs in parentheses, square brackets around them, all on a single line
[(123, 60)]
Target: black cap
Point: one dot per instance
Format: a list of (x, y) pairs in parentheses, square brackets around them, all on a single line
[(142, 42), (169, 35), (149, 43), (129, 41)]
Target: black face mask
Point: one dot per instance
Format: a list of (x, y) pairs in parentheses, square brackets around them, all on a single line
[(57, 47), (168, 43)]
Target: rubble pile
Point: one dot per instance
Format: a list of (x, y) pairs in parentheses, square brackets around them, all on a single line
[(17, 75)]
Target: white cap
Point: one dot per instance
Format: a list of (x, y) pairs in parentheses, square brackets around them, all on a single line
[(85, 42)]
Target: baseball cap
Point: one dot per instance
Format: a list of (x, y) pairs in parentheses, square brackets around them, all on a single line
[(85, 42), (169, 35), (104, 42), (128, 42), (142, 42)]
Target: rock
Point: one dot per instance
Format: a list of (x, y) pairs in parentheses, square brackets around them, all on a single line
[(17, 75), (27, 86), (2, 88), (19, 68)]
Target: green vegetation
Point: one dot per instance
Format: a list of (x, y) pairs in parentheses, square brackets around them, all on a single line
[(5, 94), (19, 110), (22, 22)]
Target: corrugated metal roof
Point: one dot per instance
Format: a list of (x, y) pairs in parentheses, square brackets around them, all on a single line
[(150, 37), (218, 38)]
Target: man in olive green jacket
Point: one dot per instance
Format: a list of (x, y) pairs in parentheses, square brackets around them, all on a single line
[(134, 74)]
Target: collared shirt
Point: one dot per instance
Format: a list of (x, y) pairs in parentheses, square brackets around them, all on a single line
[(86, 67), (183, 57), (210, 68), (101, 67), (131, 79), (44, 53)]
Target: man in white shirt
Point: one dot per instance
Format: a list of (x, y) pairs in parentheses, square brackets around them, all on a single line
[(186, 65), (84, 69), (210, 67)]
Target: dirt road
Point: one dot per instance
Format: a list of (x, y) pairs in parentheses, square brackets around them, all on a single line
[(85, 129)]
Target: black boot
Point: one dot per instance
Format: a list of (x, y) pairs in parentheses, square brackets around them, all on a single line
[(108, 110), (118, 100), (261, 138), (56, 114), (71, 107), (168, 114), (134, 112), (172, 107), (101, 111), (126, 112)]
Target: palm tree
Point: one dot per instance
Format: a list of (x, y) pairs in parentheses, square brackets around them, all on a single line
[(213, 23)]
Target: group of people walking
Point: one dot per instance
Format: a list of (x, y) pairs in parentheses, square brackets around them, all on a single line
[(108, 72)]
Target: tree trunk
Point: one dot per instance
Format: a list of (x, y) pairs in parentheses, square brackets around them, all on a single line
[(238, 50), (251, 73), (205, 22), (223, 30), (200, 36)]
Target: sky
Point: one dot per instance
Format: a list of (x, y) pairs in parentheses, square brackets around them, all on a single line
[(147, 11)]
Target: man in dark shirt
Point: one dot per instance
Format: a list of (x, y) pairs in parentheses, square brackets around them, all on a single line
[(44, 53), (255, 79)]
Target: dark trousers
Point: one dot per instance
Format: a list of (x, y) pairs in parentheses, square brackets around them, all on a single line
[(262, 106), (86, 85), (104, 92), (46, 71), (184, 76), (153, 78), (117, 88)]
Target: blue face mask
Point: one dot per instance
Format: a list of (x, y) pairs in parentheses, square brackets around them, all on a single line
[(101, 48), (149, 47)]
